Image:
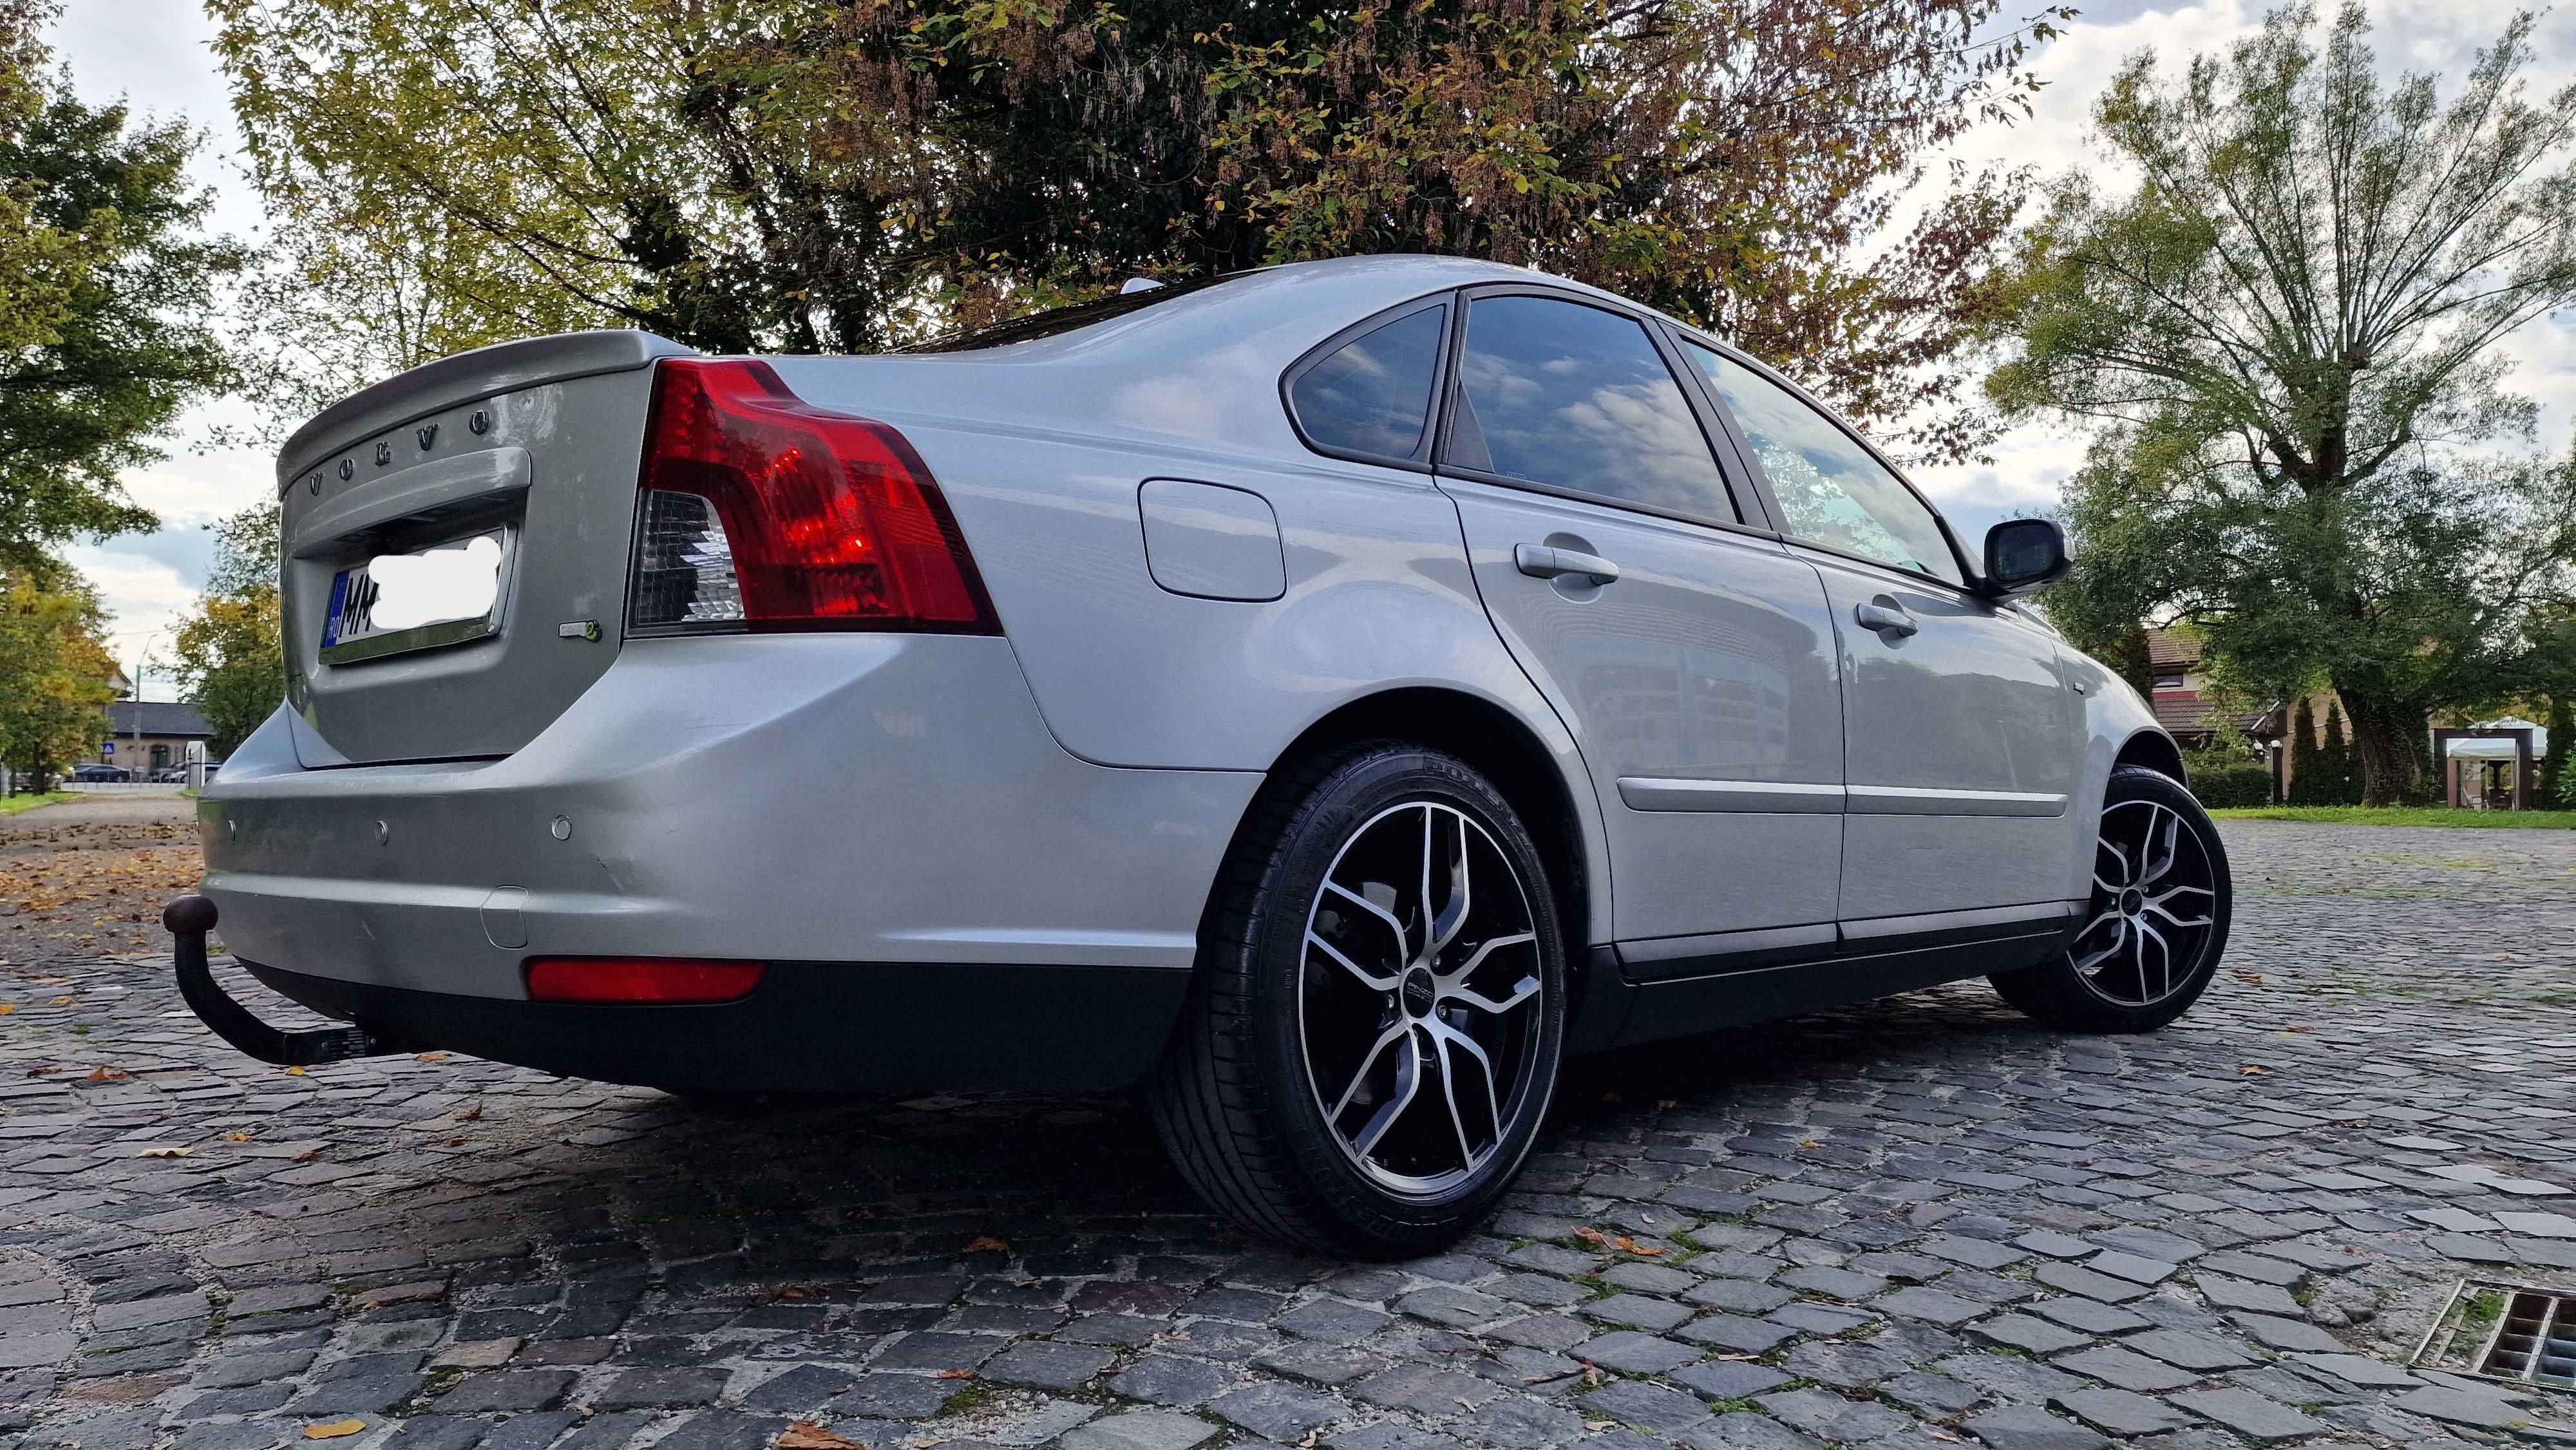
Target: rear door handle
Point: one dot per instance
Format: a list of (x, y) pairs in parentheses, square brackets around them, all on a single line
[(1539, 561), (1887, 618)]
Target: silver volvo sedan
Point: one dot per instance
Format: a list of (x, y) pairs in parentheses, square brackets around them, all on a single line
[(1325, 696)]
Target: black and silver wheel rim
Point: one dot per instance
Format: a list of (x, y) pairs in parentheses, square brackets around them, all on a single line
[(2154, 906), (1419, 1001)]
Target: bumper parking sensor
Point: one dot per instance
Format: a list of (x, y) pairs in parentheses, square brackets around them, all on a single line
[(189, 918)]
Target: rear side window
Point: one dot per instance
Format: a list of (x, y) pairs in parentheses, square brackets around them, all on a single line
[(1373, 393), (1830, 490), (1578, 398)]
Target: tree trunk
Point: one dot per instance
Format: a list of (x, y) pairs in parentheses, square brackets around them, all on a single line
[(2392, 737)]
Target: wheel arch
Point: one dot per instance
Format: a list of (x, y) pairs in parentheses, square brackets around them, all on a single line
[(2156, 751), (1508, 751)]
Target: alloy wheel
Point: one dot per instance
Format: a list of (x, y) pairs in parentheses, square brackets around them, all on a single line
[(1419, 998), (2152, 913)]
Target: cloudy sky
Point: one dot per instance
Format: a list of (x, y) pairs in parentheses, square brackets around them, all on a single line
[(153, 52)]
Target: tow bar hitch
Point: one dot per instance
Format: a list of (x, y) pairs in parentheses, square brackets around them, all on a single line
[(189, 919)]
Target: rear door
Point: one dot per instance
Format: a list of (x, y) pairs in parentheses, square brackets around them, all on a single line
[(1961, 738), (1699, 681)]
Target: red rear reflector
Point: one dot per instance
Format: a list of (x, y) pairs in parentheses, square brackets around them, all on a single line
[(819, 520), (662, 980)]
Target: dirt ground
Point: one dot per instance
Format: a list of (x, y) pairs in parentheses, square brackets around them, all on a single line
[(89, 877)]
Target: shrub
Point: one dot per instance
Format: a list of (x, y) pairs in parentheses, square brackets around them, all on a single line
[(2226, 781)]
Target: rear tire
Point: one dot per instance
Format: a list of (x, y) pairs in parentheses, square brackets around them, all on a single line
[(2155, 926), (1373, 1034)]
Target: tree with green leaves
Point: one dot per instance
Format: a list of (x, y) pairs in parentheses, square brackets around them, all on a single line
[(2283, 338), (812, 175), (56, 677), (230, 654), (106, 296)]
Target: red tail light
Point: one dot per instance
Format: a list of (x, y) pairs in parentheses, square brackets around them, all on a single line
[(761, 511), (663, 981)]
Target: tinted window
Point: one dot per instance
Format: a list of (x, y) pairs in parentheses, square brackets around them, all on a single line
[(1830, 490), (1563, 394), (1373, 393)]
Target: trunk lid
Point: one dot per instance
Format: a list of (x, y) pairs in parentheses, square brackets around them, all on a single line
[(532, 446)]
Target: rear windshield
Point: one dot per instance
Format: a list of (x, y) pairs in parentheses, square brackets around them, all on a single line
[(1067, 318)]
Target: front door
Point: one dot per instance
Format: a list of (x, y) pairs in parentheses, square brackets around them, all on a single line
[(1962, 739), (1693, 660)]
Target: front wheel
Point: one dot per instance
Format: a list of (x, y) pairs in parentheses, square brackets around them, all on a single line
[(1373, 1035), (2155, 925)]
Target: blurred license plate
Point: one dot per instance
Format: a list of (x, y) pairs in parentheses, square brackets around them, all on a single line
[(437, 596)]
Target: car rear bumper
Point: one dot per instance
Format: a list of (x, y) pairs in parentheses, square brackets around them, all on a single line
[(808, 1027), (884, 816)]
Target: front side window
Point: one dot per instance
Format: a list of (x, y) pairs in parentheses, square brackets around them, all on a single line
[(1373, 393), (1830, 490), (1578, 398)]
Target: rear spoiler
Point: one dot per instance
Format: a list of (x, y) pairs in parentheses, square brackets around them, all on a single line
[(453, 381)]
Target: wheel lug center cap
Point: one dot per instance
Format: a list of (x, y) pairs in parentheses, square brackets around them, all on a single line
[(2133, 901), (1418, 991)]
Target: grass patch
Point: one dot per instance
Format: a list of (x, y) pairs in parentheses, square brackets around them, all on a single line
[(2406, 816), (12, 805)]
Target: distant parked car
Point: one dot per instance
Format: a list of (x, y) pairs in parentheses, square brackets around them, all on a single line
[(101, 774), (170, 775), (1330, 695)]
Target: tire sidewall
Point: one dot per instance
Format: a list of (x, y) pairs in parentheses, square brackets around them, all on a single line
[(2133, 783), (1349, 797)]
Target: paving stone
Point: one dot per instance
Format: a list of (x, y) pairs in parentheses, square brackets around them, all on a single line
[(1638, 1311), (639, 1389), (1634, 1402), (2292, 1334), (1046, 1366), (2361, 1370), (1424, 1390), (2189, 1350), (2481, 1408), (2135, 1268), (1836, 1283), (2126, 1369), (1139, 1430), (2242, 1294), (1929, 1304), (1832, 1418), (2121, 1412), (2090, 1316), (1630, 1352), (1520, 1424), (1727, 1379), (530, 1389), (2025, 1427), (2249, 1414), (1284, 1412), (1170, 1380), (1454, 1307), (2032, 1336), (1847, 1365), (2076, 1279)]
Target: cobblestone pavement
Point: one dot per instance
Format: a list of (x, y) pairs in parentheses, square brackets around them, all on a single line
[(1913, 1223)]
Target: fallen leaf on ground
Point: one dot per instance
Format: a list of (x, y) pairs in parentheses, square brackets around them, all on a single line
[(295, 1072), (7, 1007), (307, 1156), (957, 1374), (2251, 979), (334, 1430), (165, 1152), (1629, 1245), (1591, 1236), (987, 1245), (104, 1074), (806, 1435), (236, 1137), (2250, 1070), (470, 1114), (429, 1057)]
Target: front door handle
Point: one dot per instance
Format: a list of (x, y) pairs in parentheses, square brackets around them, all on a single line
[(1540, 561), (1886, 616)]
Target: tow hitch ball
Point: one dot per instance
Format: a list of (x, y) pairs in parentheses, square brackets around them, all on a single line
[(189, 919)]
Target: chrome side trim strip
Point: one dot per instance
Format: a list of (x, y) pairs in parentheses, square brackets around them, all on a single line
[(1905, 800), (1654, 793)]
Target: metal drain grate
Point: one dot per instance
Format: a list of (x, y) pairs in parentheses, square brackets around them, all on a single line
[(2507, 1332)]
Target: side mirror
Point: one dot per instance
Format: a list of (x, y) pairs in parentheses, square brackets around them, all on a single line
[(2024, 554)]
